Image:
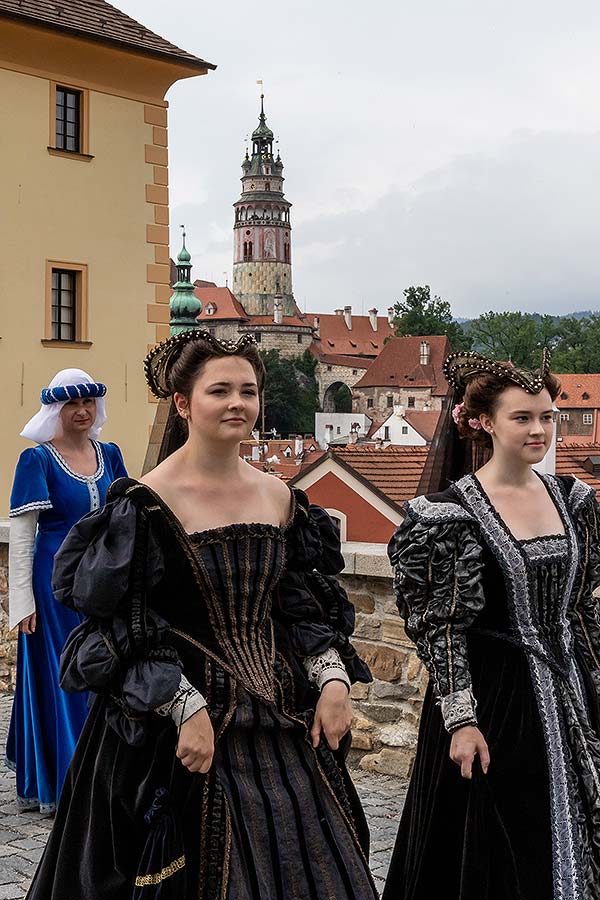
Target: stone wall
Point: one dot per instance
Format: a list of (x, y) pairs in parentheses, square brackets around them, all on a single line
[(381, 409), (386, 711), (8, 642)]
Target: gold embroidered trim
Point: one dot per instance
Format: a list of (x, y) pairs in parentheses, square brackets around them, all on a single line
[(157, 877)]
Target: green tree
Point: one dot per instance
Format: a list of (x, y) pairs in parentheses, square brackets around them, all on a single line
[(513, 336), (421, 314), (577, 348), (291, 393)]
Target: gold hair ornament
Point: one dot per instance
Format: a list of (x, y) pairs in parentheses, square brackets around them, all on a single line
[(159, 361), (459, 368)]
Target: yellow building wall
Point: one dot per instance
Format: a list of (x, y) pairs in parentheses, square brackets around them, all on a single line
[(109, 213)]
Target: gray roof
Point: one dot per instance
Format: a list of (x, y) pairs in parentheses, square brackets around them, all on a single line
[(97, 20)]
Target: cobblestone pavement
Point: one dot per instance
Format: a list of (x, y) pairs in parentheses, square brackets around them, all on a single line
[(23, 834)]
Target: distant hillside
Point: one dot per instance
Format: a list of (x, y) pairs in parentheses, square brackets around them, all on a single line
[(574, 315)]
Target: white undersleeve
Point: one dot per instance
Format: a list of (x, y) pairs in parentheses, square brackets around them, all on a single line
[(21, 602)]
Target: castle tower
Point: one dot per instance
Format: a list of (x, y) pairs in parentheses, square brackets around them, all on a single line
[(262, 251)]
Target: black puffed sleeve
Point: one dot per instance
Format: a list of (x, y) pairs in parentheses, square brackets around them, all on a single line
[(439, 592), (108, 564), (311, 609), (584, 609)]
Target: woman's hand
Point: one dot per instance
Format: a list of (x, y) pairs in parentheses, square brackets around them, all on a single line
[(465, 744), (27, 626), (196, 744), (333, 714)]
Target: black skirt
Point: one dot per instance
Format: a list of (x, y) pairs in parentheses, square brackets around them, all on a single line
[(488, 838)]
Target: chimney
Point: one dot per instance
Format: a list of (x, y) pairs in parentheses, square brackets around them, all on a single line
[(353, 437), (391, 315), (278, 309), (317, 326), (425, 353), (328, 434), (298, 446), (339, 312), (373, 319), (348, 317), (255, 453)]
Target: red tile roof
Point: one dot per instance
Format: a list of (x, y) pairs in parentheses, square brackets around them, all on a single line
[(398, 365), (228, 307), (392, 472), (575, 386), (336, 338), (97, 20), (331, 359), (424, 421), (569, 461)]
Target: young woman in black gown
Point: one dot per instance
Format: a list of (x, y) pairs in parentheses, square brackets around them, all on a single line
[(495, 578), (213, 609)]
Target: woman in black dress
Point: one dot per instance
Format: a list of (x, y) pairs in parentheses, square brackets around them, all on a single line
[(213, 611), (495, 578)]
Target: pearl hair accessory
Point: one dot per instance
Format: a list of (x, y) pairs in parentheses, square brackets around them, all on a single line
[(460, 367), (160, 359)]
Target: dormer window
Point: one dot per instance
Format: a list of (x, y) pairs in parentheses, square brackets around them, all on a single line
[(585, 396), (211, 309)]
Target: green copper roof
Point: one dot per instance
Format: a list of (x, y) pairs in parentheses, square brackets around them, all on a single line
[(263, 132), (184, 305)]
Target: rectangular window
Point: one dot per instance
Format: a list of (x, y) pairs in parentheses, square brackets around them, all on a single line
[(64, 308), (405, 429), (258, 337), (588, 418), (68, 120), (66, 303), (299, 337), (390, 401), (564, 417), (386, 432), (411, 403), (369, 403)]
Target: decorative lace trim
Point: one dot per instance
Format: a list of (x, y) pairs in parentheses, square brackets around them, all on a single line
[(579, 493), (458, 709), (185, 703), (324, 667), (86, 479), (27, 507), (514, 564), (546, 548), (425, 511)]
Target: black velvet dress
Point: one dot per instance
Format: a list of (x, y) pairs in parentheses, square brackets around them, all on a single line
[(236, 609), (514, 625)]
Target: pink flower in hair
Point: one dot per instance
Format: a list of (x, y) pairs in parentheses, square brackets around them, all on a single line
[(457, 411), (475, 424)]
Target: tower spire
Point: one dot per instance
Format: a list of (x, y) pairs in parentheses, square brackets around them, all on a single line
[(184, 305), (262, 270)]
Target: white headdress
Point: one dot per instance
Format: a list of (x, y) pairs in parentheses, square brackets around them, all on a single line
[(66, 385)]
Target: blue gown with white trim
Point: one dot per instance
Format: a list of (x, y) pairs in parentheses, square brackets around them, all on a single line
[(46, 722)]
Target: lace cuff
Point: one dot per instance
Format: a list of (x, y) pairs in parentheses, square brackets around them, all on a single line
[(458, 709), (327, 666), (184, 704)]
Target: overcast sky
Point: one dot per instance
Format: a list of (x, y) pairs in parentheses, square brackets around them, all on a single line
[(450, 144)]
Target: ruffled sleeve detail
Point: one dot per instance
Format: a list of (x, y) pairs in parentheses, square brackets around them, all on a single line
[(106, 568), (312, 611), (584, 612), (439, 592), (30, 485)]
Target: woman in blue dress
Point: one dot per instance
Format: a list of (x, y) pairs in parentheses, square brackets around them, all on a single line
[(56, 483)]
